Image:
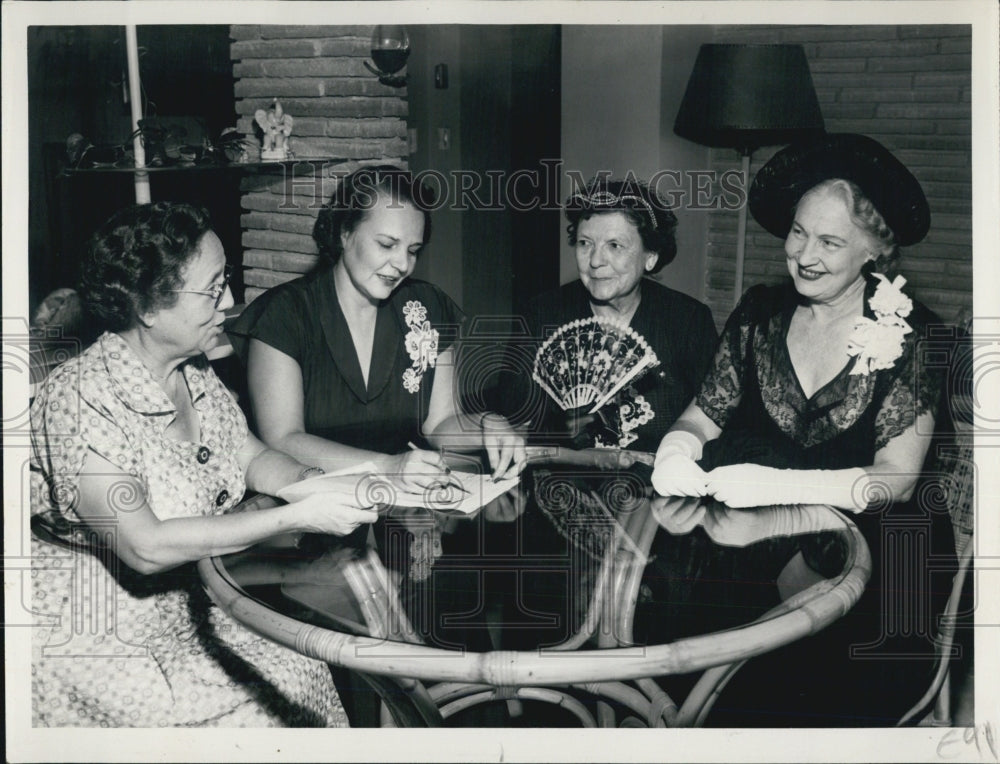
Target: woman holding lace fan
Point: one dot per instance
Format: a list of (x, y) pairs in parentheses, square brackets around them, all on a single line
[(622, 234), (818, 395)]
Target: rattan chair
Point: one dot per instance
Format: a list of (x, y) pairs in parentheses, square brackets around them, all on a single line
[(957, 459)]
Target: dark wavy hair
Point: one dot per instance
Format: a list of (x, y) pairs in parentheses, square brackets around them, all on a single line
[(136, 258), (358, 193), (650, 215)]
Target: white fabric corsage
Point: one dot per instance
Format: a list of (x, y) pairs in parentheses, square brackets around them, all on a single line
[(421, 344), (877, 344)]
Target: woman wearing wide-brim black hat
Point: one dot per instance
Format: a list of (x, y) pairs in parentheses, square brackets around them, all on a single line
[(818, 395)]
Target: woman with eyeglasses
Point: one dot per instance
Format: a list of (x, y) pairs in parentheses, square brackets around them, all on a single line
[(138, 445)]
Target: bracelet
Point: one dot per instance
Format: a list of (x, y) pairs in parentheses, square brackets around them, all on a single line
[(307, 471)]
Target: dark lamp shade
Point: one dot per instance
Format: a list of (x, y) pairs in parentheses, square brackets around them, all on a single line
[(748, 96)]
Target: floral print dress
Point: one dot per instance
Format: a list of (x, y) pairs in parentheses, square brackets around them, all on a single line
[(112, 648)]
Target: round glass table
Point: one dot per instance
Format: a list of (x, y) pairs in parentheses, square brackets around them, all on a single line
[(576, 590)]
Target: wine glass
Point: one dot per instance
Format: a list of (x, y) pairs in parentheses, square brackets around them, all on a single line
[(390, 48)]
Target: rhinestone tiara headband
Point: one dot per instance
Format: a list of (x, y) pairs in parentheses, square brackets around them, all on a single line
[(607, 199)]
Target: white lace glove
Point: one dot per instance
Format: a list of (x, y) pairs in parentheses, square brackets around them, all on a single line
[(675, 472), (752, 485)]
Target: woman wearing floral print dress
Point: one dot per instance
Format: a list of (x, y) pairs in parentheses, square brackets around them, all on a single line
[(820, 393), (355, 361), (138, 448)]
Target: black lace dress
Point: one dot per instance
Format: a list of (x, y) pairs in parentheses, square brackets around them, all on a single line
[(870, 666)]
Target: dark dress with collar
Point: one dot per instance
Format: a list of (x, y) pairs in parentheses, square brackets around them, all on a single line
[(870, 666), (303, 319)]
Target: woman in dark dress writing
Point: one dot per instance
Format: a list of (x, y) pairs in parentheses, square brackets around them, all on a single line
[(354, 362)]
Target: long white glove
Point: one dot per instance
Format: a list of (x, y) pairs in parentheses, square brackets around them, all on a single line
[(740, 527), (675, 472), (752, 485)]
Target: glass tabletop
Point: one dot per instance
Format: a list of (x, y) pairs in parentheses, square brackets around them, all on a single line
[(574, 560)]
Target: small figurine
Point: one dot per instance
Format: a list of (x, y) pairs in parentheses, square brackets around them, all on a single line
[(276, 126)]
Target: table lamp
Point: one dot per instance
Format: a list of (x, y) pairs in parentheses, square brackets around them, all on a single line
[(744, 97)]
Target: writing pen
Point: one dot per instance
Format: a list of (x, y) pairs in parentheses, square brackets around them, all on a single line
[(447, 470)]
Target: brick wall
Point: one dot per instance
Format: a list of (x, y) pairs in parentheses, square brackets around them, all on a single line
[(343, 116), (909, 88)]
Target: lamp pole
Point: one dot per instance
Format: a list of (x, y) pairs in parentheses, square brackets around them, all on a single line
[(741, 230)]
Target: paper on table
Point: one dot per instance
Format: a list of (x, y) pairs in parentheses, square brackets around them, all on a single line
[(364, 486)]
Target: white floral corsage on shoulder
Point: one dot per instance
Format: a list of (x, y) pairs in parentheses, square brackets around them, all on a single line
[(421, 344), (877, 344)]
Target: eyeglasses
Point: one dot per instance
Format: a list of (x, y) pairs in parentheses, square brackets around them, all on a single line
[(217, 290)]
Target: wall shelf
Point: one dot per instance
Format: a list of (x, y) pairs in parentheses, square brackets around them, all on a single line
[(248, 167)]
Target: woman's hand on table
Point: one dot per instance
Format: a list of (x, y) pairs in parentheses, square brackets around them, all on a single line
[(676, 474), (418, 470), (327, 513), (744, 485), (729, 526), (754, 485), (504, 446)]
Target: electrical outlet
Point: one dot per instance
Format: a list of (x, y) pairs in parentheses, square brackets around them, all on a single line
[(444, 138)]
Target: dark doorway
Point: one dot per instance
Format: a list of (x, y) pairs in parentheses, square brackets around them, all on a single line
[(511, 123)]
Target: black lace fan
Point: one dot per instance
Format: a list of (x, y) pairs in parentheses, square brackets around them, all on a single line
[(586, 362)]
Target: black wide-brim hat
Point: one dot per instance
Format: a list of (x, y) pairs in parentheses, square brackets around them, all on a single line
[(795, 169)]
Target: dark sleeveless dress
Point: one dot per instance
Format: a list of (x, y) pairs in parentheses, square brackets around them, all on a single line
[(872, 665)]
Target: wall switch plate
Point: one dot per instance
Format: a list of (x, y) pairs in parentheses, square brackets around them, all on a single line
[(411, 140), (444, 138), (441, 76)]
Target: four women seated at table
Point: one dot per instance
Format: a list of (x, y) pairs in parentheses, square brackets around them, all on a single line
[(816, 394)]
